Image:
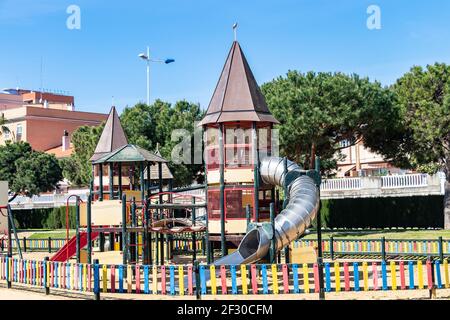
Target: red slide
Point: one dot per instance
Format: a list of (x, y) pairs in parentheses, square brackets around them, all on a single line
[(70, 249)]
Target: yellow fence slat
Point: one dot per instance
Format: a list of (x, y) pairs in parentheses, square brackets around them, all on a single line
[(306, 278), (275, 278), (84, 277), (129, 279), (420, 274), (213, 280), (154, 280), (181, 280), (393, 275), (446, 276), (244, 279), (105, 278), (365, 276), (337, 276)]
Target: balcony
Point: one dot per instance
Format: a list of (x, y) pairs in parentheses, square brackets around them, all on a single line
[(384, 186)]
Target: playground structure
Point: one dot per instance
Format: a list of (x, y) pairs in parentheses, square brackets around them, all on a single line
[(242, 226), (242, 175)]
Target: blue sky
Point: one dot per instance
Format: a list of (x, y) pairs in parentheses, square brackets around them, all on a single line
[(100, 60)]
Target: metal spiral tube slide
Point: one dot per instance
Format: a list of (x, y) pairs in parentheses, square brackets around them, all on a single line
[(291, 223)]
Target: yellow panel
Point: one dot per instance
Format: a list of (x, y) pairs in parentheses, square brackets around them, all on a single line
[(238, 175), (302, 255), (125, 181), (106, 213), (231, 226), (133, 193), (83, 214), (213, 177)]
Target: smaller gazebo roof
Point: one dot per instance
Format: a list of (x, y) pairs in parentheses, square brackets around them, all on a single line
[(130, 153), (154, 170)]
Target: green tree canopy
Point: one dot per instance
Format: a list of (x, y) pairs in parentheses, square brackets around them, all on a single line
[(28, 172), (148, 126), (318, 111), (77, 169), (422, 138)]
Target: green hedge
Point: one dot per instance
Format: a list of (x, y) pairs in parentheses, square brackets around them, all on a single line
[(401, 212), (54, 218)]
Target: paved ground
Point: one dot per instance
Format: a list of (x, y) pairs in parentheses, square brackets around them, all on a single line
[(14, 294)]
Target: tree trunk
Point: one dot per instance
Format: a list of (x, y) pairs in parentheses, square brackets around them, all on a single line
[(312, 159), (447, 203)]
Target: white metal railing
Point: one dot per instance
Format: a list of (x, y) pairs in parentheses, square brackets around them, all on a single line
[(404, 181), (341, 184)]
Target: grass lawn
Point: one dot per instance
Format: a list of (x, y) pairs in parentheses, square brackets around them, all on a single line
[(341, 234), (388, 234), (55, 234)]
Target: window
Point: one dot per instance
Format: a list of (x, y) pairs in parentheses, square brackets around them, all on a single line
[(19, 132), (7, 134), (238, 146), (214, 204)]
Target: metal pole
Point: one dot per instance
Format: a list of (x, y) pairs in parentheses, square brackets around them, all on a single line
[(46, 279), (100, 179), (89, 231), (149, 181), (124, 230), (141, 167), (148, 76), (194, 237), (248, 215), (285, 202), (223, 244), (255, 171), (441, 250), (332, 248), (197, 280), (120, 180), (111, 181), (161, 236), (77, 226), (133, 235), (273, 244), (319, 240)]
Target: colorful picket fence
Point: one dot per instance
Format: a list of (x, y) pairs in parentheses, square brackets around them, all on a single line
[(374, 246), (34, 244), (219, 280)]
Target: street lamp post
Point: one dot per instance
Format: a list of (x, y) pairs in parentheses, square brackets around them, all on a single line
[(147, 58)]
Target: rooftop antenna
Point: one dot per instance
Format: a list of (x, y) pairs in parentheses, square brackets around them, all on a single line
[(235, 25)]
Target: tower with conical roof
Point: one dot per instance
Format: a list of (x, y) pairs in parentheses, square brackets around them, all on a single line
[(112, 137), (237, 126)]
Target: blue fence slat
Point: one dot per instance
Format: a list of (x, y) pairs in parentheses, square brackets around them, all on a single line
[(384, 275), (295, 278), (172, 280), (264, 278), (203, 279), (327, 277), (80, 278), (438, 274), (356, 275), (411, 274), (96, 278), (121, 279), (146, 285), (234, 289)]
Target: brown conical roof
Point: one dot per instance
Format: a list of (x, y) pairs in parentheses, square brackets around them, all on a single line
[(237, 96), (112, 138)]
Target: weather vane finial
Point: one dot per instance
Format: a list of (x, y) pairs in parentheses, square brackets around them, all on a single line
[(235, 31)]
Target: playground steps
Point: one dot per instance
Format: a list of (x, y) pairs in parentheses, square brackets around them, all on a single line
[(70, 248)]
